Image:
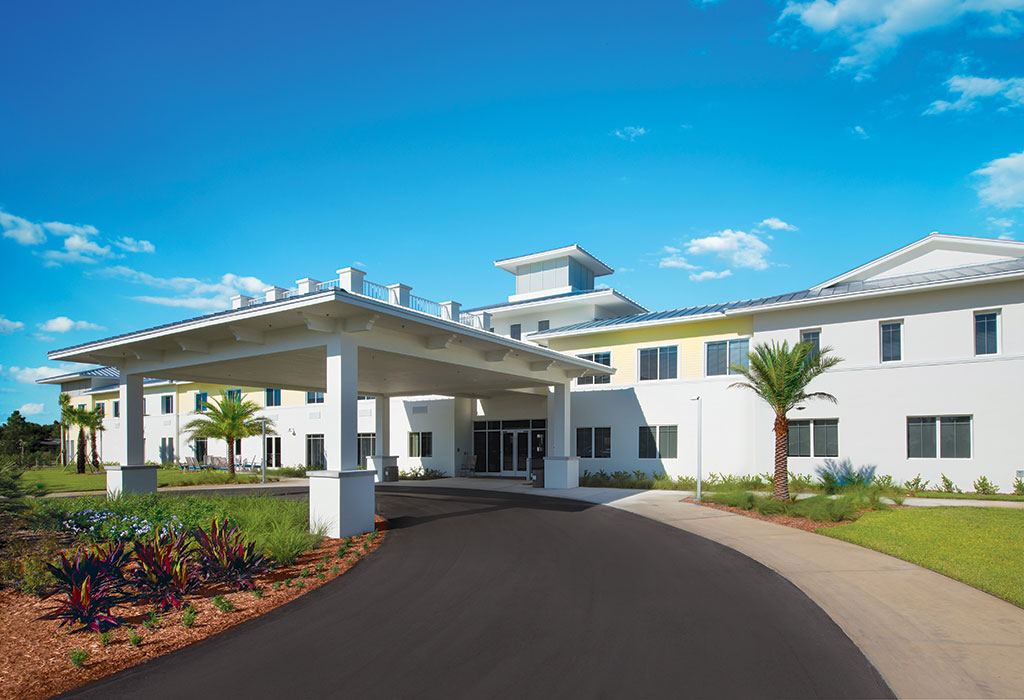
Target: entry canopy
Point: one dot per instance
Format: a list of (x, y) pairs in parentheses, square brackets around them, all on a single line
[(283, 344)]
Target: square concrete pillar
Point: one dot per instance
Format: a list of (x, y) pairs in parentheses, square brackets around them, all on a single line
[(341, 502), (561, 472), (380, 463), (274, 293), (451, 310), (306, 285), (240, 301), (398, 294), (351, 279), (131, 478)]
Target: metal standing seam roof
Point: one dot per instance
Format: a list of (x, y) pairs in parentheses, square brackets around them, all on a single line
[(564, 295), (901, 281)]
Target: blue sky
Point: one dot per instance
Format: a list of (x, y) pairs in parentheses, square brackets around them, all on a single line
[(158, 158)]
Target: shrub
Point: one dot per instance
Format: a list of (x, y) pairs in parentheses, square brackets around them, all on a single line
[(300, 584), (285, 543), (89, 582), (164, 572), (421, 474), (948, 486), (277, 584), (34, 578), (838, 474), (225, 557), (153, 620), (134, 638), (78, 657), (797, 482), (257, 593), (335, 569), (736, 499), (1018, 486), (884, 481), (105, 638), (914, 485), (188, 616), (222, 604), (984, 487)]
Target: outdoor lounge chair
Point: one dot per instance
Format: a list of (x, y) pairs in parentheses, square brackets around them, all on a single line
[(468, 467)]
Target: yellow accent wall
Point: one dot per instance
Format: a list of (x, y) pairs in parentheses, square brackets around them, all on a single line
[(625, 342)]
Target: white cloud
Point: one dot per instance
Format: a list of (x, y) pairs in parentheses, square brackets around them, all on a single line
[(29, 375), (59, 229), (874, 29), (630, 133), (21, 230), (709, 275), (672, 258), (192, 293), (972, 88), (738, 248), (859, 132), (78, 249), (1002, 181), (1002, 226), (8, 326), (31, 409), (63, 324), (776, 224), (42, 337), (134, 246)]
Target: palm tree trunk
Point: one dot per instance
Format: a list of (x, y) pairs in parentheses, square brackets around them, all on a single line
[(781, 491), (81, 450), (95, 455), (231, 457)]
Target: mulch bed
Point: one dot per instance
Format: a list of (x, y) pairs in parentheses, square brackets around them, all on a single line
[(799, 523), (34, 659)]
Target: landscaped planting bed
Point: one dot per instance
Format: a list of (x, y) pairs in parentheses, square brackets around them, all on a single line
[(97, 586), (57, 480)]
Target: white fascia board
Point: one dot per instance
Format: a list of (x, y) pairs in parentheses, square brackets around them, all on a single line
[(590, 297), (750, 311), (574, 251), (269, 308)]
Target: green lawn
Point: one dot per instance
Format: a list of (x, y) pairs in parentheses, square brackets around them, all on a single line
[(979, 546), (969, 496), (55, 481)]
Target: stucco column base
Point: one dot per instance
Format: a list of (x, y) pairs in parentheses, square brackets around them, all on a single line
[(561, 472), (131, 478), (379, 462), (341, 501)]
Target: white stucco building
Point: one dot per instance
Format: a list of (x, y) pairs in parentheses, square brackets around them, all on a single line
[(932, 337)]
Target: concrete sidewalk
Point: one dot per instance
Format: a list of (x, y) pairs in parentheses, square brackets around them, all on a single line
[(285, 486), (928, 635)]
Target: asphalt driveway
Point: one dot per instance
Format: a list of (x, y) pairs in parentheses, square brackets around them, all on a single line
[(482, 595)]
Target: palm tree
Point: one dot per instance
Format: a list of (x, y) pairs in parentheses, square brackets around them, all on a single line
[(93, 420), (79, 417), (65, 413), (780, 375), (229, 419)]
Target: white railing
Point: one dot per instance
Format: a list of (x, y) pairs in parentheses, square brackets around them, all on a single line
[(472, 320), (424, 305), (375, 291), (257, 301), (331, 284)]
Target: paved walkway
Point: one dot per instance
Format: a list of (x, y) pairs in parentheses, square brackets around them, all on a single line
[(482, 594), (928, 635)]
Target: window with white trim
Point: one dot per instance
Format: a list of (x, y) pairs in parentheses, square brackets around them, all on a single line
[(234, 394), (819, 437), (949, 437), (891, 340), (658, 442), (594, 442), (272, 397), (601, 358), (314, 397), (516, 331), (201, 399), (543, 325), (657, 363), (986, 339), (812, 336), (722, 355), (421, 444), (166, 404)]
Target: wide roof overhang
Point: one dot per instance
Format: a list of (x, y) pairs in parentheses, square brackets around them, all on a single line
[(283, 344)]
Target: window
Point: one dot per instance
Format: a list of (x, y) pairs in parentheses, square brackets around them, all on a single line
[(166, 450), (921, 437), (516, 331), (101, 409), (199, 447), (892, 341), (594, 442), (661, 441), (315, 457), (166, 404), (117, 409), (81, 406), (421, 444), (658, 363), (820, 437), (273, 451), (234, 394), (953, 439), (723, 354), (813, 337), (314, 397), (543, 325), (238, 447), (272, 397), (201, 397), (985, 333), (601, 358), (367, 444)]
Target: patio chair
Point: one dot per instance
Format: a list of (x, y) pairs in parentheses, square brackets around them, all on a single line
[(468, 467)]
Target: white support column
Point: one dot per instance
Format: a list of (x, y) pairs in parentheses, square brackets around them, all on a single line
[(133, 475), (341, 496), (382, 459), (561, 471)]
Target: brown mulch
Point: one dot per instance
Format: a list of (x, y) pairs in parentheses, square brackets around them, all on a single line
[(799, 523), (34, 659)]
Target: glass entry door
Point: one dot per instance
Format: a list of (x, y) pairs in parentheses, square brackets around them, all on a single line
[(515, 451)]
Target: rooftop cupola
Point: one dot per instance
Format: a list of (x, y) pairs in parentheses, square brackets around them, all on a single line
[(551, 272)]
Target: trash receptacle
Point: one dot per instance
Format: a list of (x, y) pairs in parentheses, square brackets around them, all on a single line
[(390, 473), (538, 478)]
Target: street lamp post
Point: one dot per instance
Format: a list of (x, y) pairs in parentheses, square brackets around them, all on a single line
[(700, 477)]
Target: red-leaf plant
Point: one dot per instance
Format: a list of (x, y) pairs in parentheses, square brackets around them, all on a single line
[(225, 556), (163, 572), (91, 584)]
